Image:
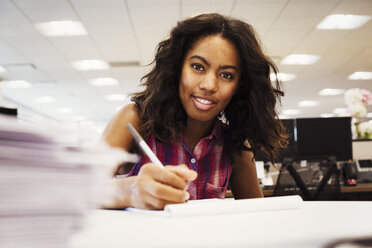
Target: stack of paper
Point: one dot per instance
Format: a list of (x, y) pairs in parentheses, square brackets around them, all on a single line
[(45, 186)]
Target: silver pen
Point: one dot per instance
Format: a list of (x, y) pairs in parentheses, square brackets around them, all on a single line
[(144, 147)]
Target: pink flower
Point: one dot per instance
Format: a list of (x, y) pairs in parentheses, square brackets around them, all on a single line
[(367, 96)]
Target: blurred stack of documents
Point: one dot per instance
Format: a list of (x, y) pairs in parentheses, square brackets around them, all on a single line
[(46, 184)]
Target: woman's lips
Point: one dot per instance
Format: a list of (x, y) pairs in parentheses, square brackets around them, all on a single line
[(202, 103)]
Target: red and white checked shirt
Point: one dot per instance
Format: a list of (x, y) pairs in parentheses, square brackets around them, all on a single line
[(208, 159)]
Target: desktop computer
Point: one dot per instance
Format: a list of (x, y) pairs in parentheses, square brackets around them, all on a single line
[(324, 137)]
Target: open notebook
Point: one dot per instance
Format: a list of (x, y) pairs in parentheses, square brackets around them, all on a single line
[(226, 206)]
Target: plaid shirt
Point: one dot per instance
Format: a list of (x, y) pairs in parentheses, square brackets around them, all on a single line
[(208, 160)]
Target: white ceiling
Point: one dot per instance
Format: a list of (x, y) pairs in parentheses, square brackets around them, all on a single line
[(129, 30)]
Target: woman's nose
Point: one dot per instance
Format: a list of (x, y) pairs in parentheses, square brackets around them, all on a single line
[(209, 82)]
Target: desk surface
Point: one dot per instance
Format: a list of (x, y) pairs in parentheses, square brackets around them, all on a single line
[(312, 225), (359, 188)]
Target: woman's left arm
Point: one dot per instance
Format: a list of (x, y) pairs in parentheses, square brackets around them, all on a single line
[(243, 179)]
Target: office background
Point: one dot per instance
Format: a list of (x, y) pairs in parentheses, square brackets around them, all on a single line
[(39, 77)]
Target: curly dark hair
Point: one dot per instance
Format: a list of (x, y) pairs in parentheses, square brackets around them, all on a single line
[(250, 114)]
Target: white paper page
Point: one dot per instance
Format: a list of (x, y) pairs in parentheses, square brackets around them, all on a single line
[(226, 206)]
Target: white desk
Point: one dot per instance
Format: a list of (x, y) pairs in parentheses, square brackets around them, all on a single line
[(313, 225)]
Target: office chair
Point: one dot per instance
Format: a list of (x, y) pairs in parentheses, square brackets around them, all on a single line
[(315, 179)]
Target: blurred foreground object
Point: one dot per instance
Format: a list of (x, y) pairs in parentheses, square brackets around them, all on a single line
[(47, 184)]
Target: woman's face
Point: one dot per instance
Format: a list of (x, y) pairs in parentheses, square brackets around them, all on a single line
[(209, 78)]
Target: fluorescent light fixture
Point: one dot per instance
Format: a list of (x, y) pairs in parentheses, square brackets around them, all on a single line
[(308, 103), (104, 82), (115, 97), (327, 115), (2, 69), (360, 75), (344, 115), (61, 28), (331, 92), (343, 21), (300, 59), (281, 117), (90, 65), (16, 84), (369, 115), (290, 112), (64, 110), (283, 77), (340, 111), (45, 99)]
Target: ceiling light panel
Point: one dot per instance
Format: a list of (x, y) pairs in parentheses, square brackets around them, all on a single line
[(290, 112), (115, 97), (104, 82), (308, 103), (343, 21), (16, 84), (331, 92), (283, 77), (90, 65), (300, 59), (327, 115), (61, 28), (281, 117), (360, 75), (45, 99), (341, 111)]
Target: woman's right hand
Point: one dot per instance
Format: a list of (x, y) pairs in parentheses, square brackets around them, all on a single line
[(154, 187)]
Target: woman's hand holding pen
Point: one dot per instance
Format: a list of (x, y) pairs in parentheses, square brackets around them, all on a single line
[(154, 187)]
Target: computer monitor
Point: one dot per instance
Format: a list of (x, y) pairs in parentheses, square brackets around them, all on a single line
[(324, 137), (287, 152)]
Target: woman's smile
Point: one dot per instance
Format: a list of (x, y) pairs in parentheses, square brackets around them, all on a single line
[(203, 103), (209, 78)]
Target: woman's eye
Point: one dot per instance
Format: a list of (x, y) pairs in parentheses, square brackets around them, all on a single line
[(198, 67), (227, 75)]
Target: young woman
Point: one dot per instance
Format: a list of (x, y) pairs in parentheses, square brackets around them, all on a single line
[(208, 105)]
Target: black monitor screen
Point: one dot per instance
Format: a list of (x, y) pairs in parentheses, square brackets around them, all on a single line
[(324, 137), (287, 152)]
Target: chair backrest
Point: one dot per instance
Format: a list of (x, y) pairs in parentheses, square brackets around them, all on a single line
[(312, 178), (286, 185)]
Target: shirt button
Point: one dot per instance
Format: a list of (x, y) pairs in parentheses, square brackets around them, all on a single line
[(193, 160)]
